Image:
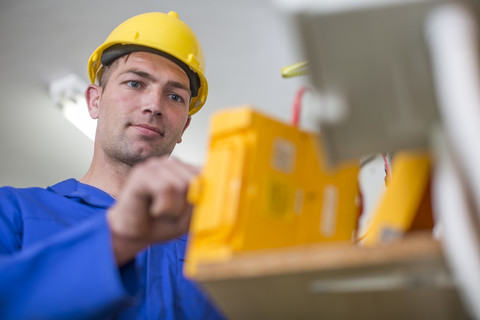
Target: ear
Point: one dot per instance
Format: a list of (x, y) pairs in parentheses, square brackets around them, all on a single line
[(189, 118), (92, 96)]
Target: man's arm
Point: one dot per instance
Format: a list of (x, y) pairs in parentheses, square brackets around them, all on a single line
[(75, 274), (70, 275)]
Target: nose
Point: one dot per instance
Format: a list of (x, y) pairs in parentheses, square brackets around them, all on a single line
[(152, 104)]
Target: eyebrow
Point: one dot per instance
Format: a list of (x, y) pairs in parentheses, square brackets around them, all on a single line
[(148, 76)]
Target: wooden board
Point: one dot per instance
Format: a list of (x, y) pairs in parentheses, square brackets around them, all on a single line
[(405, 280)]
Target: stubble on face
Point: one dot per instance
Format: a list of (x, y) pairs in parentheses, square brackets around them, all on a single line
[(116, 139)]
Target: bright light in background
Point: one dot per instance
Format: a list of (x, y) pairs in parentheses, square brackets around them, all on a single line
[(75, 110), (67, 94)]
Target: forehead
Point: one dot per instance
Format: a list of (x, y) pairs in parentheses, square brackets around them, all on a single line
[(151, 63)]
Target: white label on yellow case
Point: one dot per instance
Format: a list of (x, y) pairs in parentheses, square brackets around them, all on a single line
[(283, 155), (328, 219)]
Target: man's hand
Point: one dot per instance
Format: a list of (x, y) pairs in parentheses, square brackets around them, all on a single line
[(152, 206)]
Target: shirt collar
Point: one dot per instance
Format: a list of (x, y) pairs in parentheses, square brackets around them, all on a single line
[(74, 189)]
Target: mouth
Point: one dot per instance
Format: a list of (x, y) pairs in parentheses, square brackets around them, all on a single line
[(149, 131)]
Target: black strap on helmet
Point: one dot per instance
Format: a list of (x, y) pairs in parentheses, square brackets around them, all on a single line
[(118, 50)]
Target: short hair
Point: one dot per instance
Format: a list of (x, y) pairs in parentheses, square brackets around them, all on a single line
[(106, 71)]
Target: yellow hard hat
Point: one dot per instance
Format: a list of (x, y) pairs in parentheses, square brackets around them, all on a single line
[(161, 33)]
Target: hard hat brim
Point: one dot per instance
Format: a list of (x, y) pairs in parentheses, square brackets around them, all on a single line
[(116, 51)]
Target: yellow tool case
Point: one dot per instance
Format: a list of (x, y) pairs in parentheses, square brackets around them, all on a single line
[(265, 185)]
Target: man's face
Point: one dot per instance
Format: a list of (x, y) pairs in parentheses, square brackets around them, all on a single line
[(142, 111)]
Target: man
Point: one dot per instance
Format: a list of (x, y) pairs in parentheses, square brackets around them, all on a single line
[(112, 244)]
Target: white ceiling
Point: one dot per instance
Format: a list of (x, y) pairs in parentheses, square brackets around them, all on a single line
[(246, 43)]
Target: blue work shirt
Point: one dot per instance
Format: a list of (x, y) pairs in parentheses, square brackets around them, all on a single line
[(57, 262)]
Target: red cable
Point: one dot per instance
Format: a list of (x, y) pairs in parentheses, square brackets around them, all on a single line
[(297, 106)]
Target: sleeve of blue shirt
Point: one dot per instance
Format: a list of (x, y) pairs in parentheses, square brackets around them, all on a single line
[(37, 282)]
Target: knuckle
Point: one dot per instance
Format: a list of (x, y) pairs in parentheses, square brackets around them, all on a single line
[(168, 189)]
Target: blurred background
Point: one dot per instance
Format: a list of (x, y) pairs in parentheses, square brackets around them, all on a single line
[(246, 43)]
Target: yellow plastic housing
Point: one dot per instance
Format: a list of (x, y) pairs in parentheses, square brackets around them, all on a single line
[(406, 204), (265, 186)]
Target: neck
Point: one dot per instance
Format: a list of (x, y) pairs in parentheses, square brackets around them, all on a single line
[(106, 175)]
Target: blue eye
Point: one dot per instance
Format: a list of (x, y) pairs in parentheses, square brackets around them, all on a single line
[(176, 97), (133, 84)]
